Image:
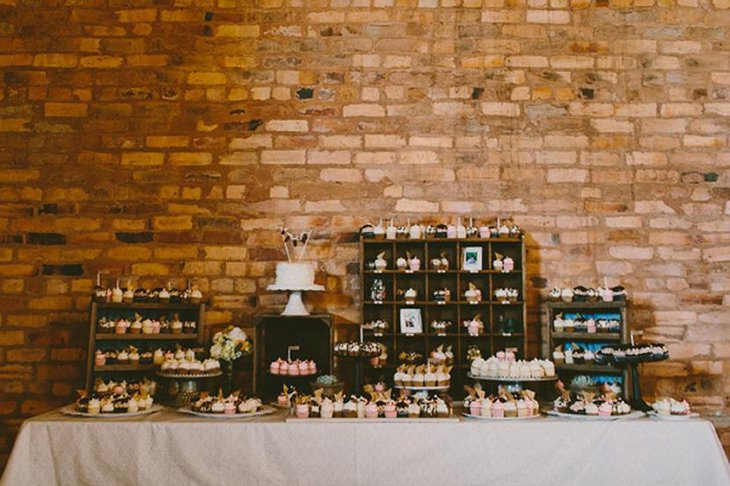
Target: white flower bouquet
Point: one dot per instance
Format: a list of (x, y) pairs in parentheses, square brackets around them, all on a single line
[(230, 344)]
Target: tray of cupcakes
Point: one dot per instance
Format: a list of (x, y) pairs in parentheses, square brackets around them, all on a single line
[(373, 406), (588, 405), (425, 377), (671, 409), (505, 405), (114, 402), (233, 406)]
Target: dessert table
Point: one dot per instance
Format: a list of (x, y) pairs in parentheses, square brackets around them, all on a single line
[(171, 448)]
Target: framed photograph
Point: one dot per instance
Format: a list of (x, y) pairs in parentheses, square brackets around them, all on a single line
[(472, 259), (410, 321)]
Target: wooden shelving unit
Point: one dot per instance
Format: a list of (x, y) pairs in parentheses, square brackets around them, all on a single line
[(144, 342), (503, 323), (551, 339)]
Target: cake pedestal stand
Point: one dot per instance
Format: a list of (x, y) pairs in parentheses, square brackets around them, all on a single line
[(295, 306)]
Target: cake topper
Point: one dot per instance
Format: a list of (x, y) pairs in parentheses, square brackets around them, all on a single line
[(294, 241)]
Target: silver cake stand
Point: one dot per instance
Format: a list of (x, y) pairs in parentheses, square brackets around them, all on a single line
[(295, 306)]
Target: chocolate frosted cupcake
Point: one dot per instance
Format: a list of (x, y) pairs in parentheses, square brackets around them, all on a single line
[(580, 294), (619, 293)]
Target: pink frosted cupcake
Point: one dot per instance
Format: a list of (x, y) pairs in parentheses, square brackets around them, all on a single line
[(294, 369), (312, 367), (229, 408), (302, 410), (303, 368), (274, 367), (371, 410), (283, 368), (156, 327), (605, 409), (498, 409), (475, 408), (390, 411)]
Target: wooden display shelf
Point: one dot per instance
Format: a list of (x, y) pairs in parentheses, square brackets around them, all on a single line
[(588, 336), (495, 315), (126, 367), (187, 311), (551, 339), (147, 337), (589, 368)]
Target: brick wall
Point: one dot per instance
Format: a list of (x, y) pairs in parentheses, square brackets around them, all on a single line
[(170, 138)]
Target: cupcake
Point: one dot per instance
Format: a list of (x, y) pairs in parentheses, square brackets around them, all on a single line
[(366, 232), (117, 295), (580, 294), (390, 231), (99, 358), (158, 357), (349, 409), (430, 379), (379, 231), (164, 296), (414, 411), (196, 296), (136, 327), (510, 410), (522, 409), (389, 410), (498, 409), (371, 410), (128, 296), (93, 406), (176, 326), (121, 326), (619, 293), (217, 407), (475, 408), (189, 327), (487, 407), (554, 295), (229, 408), (123, 357), (327, 408), (147, 326), (156, 326), (567, 295)]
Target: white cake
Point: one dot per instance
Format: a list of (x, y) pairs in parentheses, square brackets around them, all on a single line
[(294, 274)]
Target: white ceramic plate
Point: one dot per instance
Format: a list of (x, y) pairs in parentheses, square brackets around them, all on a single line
[(71, 410), (677, 418), (265, 410), (503, 419), (574, 416)]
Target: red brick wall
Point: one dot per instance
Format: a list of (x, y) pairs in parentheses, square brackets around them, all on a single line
[(170, 138)]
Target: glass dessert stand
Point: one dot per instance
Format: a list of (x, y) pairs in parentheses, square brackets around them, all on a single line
[(295, 306)]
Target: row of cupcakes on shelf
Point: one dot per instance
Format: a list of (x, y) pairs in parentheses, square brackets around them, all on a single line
[(293, 367), (129, 294), (505, 365), (422, 376), (140, 325), (411, 263), (588, 294), (473, 295), (355, 349), (499, 229), (580, 323), (502, 405), (189, 365), (105, 388)]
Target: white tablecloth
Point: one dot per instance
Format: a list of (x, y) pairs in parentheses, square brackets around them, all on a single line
[(172, 449)]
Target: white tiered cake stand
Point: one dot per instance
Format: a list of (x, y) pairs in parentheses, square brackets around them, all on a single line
[(295, 306)]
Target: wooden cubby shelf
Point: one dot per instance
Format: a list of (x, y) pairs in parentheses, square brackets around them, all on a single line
[(497, 317), (144, 342)]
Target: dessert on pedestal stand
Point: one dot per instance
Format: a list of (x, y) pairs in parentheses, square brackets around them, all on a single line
[(295, 276)]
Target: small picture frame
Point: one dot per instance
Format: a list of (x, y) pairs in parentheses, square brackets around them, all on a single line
[(411, 321), (472, 259)]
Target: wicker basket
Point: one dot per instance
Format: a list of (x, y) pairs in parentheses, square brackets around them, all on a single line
[(332, 389)]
